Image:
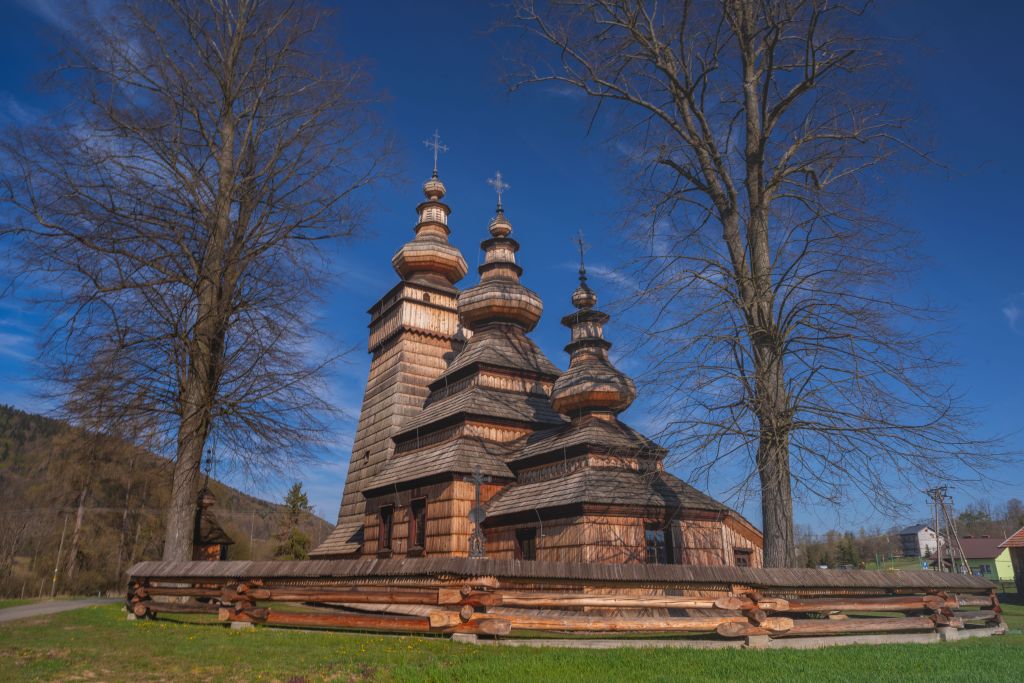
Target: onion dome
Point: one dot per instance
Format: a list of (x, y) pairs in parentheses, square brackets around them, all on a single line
[(499, 298), (429, 258), (591, 385)]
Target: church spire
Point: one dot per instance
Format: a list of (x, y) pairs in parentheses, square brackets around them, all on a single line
[(429, 257), (499, 298), (591, 385)]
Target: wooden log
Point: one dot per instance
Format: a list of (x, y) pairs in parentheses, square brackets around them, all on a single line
[(942, 619), (369, 622), (770, 626), (813, 627), (552, 600), (139, 609), (898, 603), (608, 624), (381, 596), (976, 615), (452, 596), (170, 591), (973, 601), (182, 608), (773, 604), (466, 613), (755, 615)]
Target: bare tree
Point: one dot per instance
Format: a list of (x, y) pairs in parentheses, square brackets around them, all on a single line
[(756, 128), (177, 212)]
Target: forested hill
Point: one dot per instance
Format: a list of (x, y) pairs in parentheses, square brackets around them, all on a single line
[(114, 494)]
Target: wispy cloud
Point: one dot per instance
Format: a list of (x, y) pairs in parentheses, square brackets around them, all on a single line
[(614, 276), (1013, 311), (16, 346), (565, 90), (14, 111), (60, 14)]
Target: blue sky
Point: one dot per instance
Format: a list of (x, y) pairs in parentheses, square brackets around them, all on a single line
[(439, 67)]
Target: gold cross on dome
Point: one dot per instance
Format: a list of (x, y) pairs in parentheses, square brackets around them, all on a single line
[(435, 143), (499, 185)]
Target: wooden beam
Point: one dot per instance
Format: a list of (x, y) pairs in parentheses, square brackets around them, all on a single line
[(537, 622), (770, 626), (369, 622), (898, 603), (179, 608), (976, 615), (554, 600), (881, 625)]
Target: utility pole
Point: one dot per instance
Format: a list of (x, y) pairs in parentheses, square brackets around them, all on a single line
[(56, 565), (252, 529), (952, 544)]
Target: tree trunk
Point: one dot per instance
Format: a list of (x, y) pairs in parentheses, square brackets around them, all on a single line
[(773, 466), (76, 536), (122, 544), (195, 426), (202, 379)]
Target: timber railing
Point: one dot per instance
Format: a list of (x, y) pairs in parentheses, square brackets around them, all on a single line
[(756, 607)]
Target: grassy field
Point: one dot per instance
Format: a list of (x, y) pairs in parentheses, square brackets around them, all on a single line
[(97, 643), (15, 602)]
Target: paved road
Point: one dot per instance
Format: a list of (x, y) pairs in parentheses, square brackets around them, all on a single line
[(39, 609)]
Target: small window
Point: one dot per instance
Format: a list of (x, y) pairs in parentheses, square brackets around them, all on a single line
[(658, 541), (366, 456), (526, 544), (418, 523), (387, 516), (426, 297), (741, 557)]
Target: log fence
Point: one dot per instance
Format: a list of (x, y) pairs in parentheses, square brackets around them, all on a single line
[(498, 607)]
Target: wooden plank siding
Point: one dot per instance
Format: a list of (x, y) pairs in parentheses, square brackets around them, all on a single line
[(447, 517), (619, 539)]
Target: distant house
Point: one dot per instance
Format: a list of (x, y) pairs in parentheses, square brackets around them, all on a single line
[(987, 558), (1014, 545), (919, 540)]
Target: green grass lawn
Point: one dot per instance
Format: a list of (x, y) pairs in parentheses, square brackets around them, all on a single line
[(15, 602), (97, 643)]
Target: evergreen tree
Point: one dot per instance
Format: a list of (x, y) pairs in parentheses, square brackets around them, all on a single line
[(293, 544)]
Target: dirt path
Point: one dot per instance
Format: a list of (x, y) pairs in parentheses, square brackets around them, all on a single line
[(39, 609)]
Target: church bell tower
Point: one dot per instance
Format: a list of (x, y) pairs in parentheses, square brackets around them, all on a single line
[(414, 334)]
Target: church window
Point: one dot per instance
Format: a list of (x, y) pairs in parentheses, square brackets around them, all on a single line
[(526, 544), (658, 542), (387, 515), (741, 557), (426, 297), (418, 523)]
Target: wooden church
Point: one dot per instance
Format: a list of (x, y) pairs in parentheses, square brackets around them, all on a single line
[(472, 443)]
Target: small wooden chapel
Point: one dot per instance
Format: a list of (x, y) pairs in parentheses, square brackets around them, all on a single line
[(472, 443)]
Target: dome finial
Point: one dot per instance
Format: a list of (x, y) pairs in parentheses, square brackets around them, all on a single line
[(584, 296), (435, 143), (499, 186), (583, 248)]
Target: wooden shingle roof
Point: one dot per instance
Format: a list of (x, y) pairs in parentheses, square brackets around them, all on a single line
[(458, 456), (600, 435), (500, 346), (343, 540), (672, 574), (208, 530), (479, 401), (603, 486)]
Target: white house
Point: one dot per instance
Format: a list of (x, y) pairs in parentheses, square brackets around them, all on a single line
[(918, 540)]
